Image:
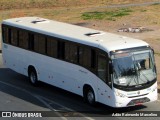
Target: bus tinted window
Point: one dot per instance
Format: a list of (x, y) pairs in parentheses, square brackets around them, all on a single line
[(5, 34), (14, 36), (9, 35), (93, 58), (39, 44), (61, 50), (23, 39), (42, 44), (51, 47), (71, 52), (31, 42), (85, 56)]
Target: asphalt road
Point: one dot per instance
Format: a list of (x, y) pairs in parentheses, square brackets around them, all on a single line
[(17, 94)]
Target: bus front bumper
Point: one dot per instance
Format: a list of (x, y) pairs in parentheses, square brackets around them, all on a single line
[(124, 101)]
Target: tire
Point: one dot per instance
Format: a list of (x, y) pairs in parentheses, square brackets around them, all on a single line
[(33, 77), (89, 96)]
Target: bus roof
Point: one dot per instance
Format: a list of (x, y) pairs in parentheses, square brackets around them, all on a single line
[(103, 40)]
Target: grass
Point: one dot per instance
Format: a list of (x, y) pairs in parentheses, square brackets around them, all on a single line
[(108, 15), (143, 10), (157, 53)]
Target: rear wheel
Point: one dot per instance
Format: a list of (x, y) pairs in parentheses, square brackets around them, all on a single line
[(33, 77)]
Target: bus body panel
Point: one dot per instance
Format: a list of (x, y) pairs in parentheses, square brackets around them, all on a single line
[(105, 93), (49, 70)]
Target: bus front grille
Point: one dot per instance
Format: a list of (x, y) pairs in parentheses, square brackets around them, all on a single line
[(137, 95)]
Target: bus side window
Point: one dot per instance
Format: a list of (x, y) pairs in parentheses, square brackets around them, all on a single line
[(9, 35), (5, 34), (93, 59), (42, 42), (85, 56), (31, 42), (51, 47), (23, 39), (14, 37), (61, 50), (71, 52), (39, 43)]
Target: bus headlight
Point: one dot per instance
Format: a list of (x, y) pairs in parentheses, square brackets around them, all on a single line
[(120, 94)]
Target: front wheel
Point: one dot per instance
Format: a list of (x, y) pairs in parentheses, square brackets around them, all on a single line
[(90, 96), (33, 77)]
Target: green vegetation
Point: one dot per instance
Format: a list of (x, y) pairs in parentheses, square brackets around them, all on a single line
[(156, 4), (108, 15), (143, 10), (157, 53)]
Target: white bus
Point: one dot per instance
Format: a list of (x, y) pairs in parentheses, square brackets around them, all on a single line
[(102, 67)]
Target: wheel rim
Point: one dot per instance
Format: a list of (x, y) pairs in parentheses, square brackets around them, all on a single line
[(90, 96), (33, 77)]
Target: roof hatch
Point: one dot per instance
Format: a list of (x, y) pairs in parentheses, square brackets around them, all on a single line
[(40, 20), (92, 34)]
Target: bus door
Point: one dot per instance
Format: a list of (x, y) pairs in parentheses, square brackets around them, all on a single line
[(104, 84)]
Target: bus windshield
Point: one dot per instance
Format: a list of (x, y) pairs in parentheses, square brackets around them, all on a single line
[(133, 68)]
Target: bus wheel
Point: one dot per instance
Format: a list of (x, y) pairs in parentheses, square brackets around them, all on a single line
[(90, 96), (33, 77)]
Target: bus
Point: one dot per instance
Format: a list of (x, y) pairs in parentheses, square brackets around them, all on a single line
[(102, 67)]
